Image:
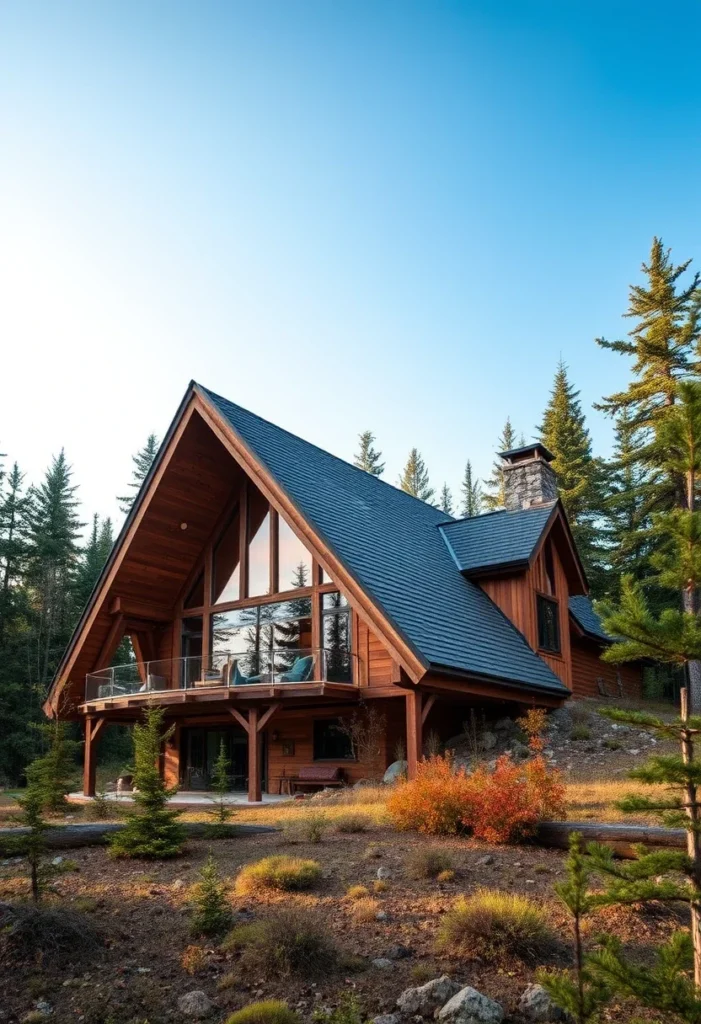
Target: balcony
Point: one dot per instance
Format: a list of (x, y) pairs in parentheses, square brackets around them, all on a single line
[(223, 674)]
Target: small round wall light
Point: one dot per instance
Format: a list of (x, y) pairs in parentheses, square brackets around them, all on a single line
[(183, 526)]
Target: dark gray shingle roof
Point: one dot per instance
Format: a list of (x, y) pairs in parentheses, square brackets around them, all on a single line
[(391, 544), (582, 610), (497, 538)]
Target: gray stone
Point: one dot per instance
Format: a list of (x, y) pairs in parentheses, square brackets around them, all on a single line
[(44, 1008), (195, 1004), (382, 915), (485, 861), (425, 999), (535, 1004), (398, 952), (488, 741), (468, 1006), (396, 771), (386, 1018), (529, 482), (383, 873), (505, 725), (382, 963), (178, 884)]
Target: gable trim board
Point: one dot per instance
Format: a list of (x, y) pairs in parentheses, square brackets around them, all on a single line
[(403, 606)]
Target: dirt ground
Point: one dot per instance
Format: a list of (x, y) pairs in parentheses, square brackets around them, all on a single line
[(140, 909)]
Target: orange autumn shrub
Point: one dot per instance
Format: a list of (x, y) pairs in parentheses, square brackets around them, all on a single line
[(501, 806)]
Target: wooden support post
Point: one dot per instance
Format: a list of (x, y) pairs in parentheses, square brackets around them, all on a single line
[(254, 790), (93, 728), (414, 744), (430, 701)]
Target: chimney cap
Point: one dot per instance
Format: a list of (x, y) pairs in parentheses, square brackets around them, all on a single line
[(533, 451)]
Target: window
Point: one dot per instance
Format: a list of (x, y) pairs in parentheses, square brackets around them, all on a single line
[(263, 639), (330, 742), (548, 624), (336, 637), (191, 650), (226, 569), (549, 568), (258, 545), (195, 599), (294, 561)]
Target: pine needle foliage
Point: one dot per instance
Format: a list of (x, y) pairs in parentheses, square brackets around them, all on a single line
[(493, 497), (33, 844), (367, 456), (221, 813), (414, 478), (151, 830), (212, 914), (471, 493), (143, 460), (446, 500)]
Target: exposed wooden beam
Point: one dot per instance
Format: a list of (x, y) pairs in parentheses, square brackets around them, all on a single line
[(267, 715), (254, 787), (111, 643), (243, 722), (414, 732), (428, 704)]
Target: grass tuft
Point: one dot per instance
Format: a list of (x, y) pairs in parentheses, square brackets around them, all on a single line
[(428, 862), (278, 872), (365, 910), (288, 942), (493, 922), (357, 892), (271, 1011), (352, 822)]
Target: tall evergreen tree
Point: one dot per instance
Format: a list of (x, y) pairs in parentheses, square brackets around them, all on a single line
[(54, 528), (368, 457), (93, 558), (493, 496), (414, 479), (143, 460), (579, 475), (471, 493), (14, 512), (446, 500)]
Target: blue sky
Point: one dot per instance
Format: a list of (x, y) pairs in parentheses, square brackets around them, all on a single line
[(393, 215)]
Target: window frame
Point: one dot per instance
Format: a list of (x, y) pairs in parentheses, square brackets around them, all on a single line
[(352, 756), (540, 600)]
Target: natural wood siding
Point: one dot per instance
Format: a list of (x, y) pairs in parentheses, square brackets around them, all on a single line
[(516, 596), (587, 669), (376, 666)]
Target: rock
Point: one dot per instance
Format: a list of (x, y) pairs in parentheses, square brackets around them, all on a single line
[(468, 1006), (382, 963), (488, 741), (634, 751), (178, 884), (535, 1004), (427, 998), (44, 1008), (386, 1018), (396, 771), (57, 861), (195, 1004), (484, 862), (398, 952), (505, 725), (383, 873), (382, 915)]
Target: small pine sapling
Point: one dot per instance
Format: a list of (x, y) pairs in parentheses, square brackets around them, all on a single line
[(56, 768), (151, 830), (220, 813), (583, 993), (32, 844), (212, 912)]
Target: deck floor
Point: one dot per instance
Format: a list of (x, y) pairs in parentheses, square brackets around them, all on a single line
[(185, 798)]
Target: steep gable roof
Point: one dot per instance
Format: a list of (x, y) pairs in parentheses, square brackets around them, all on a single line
[(582, 611), (392, 544), (497, 540)]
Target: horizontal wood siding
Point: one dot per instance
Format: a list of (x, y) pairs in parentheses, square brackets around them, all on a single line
[(376, 667), (587, 669)]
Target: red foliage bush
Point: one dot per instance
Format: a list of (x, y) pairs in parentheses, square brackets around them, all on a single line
[(500, 806)]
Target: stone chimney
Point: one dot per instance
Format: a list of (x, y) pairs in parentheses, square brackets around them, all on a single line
[(529, 479)]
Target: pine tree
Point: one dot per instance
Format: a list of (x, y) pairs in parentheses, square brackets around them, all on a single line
[(33, 844), (212, 912), (56, 769), (368, 458), (446, 502), (221, 813), (414, 479), (493, 496), (471, 494), (14, 512), (143, 460), (93, 558), (53, 530), (563, 431), (151, 830)]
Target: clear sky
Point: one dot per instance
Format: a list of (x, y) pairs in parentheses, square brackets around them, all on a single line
[(342, 215)]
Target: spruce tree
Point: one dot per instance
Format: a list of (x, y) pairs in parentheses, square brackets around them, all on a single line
[(221, 813), (414, 479), (143, 460), (151, 829), (93, 558), (471, 494), (367, 457), (212, 912), (446, 501), (493, 496), (563, 431), (33, 844)]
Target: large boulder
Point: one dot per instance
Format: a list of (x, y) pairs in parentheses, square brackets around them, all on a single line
[(468, 1006), (195, 1004), (427, 998), (535, 1004), (396, 771)]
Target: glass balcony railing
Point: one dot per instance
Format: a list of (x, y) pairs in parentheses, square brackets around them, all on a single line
[(276, 667)]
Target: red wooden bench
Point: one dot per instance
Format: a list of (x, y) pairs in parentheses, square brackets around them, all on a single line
[(318, 776)]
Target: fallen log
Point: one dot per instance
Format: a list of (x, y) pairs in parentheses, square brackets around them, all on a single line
[(59, 837), (621, 837)]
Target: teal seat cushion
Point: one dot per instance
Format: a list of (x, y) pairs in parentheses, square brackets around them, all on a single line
[(237, 678), (300, 671)]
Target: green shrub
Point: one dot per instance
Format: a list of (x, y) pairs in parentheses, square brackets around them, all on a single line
[(348, 1011), (288, 942), (278, 872), (308, 828), (612, 744), (580, 732), (491, 922), (428, 862), (151, 830), (101, 809), (212, 912), (271, 1011), (352, 822)]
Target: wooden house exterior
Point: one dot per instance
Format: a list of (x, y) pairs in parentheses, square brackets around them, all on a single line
[(274, 593)]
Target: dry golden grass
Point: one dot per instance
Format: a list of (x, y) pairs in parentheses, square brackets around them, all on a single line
[(367, 802), (596, 801)]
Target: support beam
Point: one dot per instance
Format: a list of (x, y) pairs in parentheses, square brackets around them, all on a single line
[(254, 790), (111, 643), (414, 731), (93, 728), (267, 715), (428, 704), (243, 722)]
